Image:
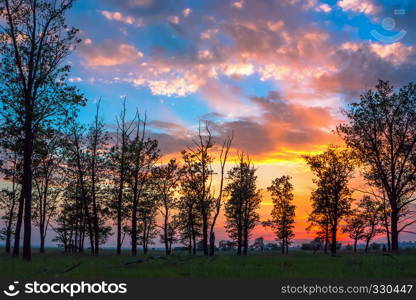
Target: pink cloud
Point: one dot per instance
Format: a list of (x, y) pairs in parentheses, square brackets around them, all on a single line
[(107, 54), (359, 6)]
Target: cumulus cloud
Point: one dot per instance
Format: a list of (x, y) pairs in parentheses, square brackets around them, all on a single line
[(186, 12), (324, 7), (359, 6), (117, 16), (280, 127), (273, 40), (109, 54)]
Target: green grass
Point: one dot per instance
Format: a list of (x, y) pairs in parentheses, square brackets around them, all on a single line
[(256, 265)]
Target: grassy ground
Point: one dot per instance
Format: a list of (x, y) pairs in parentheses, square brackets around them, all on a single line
[(257, 265)]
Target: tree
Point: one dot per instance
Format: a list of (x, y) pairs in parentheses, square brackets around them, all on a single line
[(259, 244), (225, 149), (283, 212), (146, 218), (381, 129), (331, 200), (313, 245), (355, 226), (165, 182), (97, 167), (319, 223), (142, 155), (48, 179), (34, 42), (70, 223), (198, 172), (198, 177), (119, 167), (371, 214), (10, 203), (243, 201), (77, 165), (188, 218)]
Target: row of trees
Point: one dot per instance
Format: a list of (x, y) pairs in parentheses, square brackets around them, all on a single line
[(380, 138), (88, 179), (78, 179)]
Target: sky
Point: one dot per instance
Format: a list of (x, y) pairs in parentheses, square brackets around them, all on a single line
[(275, 72)]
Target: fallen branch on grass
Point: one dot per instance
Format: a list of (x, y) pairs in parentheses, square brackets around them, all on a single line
[(71, 268), (389, 255)]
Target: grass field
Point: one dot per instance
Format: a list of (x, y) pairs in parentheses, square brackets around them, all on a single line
[(256, 265)]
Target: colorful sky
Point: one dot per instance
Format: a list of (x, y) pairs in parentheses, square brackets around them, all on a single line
[(276, 72)]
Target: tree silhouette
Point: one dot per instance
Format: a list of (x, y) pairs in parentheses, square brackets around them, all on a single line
[(142, 155), (34, 90), (355, 227), (283, 212), (165, 182), (218, 201), (48, 180), (118, 161), (331, 199), (198, 173), (11, 198), (381, 129), (243, 201)]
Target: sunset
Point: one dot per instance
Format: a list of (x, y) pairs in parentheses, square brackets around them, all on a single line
[(276, 73), (205, 139)]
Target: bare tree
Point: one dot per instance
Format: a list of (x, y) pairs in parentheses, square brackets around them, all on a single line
[(119, 165), (198, 170), (225, 149)]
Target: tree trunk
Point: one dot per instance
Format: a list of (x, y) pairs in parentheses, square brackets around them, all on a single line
[(205, 233), (239, 240), (334, 240), (367, 242), (326, 239), (386, 226), (27, 181), (193, 234), (245, 240), (95, 213), (165, 229), (8, 239), (355, 245), (134, 230), (394, 231), (190, 245), (9, 230), (42, 239), (118, 251), (212, 243)]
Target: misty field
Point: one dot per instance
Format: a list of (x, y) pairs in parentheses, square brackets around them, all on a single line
[(256, 265)]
